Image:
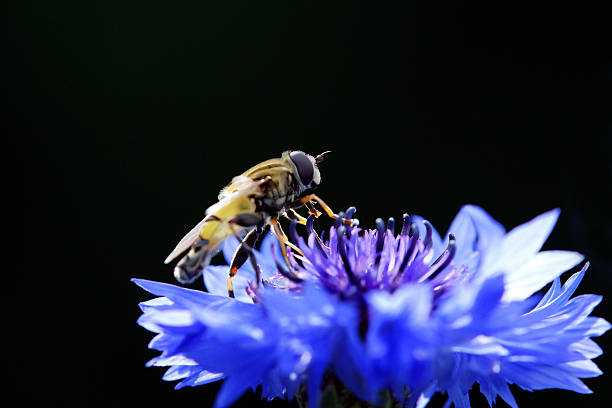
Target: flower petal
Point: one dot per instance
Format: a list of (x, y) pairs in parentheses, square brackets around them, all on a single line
[(201, 378), (464, 231), (583, 368), (178, 294), (234, 386), (524, 241), (230, 245), (539, 377), (179, 372), (269, 245), (542, 268), (215, 279), (502, 389), (488, 230), (475, 231)]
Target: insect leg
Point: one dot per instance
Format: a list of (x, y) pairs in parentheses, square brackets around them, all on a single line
[(293, 215), (313, 197), (283, 241), (281, 235), (312, 210), (329, 211), (245, 249)]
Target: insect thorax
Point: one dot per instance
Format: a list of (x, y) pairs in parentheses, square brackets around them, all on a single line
[(277, 195)]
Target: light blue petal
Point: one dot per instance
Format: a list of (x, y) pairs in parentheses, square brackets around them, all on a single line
[(315, 378), (571, 285), (180, 371), (539, 270), (502, 389), (552, 293), (215, 279), (272, 386), (234, 386), (425, 397), (486, 389), (460, 399), (399, 339), (233, 342), (179, 295), (481, 345), (592, 327), (464, 231), (558, 297), (176, 360), (524, 241), (263, 257), (269, 244), (488, 297), (175, 320), (587, 347), (351, 369), (583, 368), (201, 378), (411, 302), (192, 309), (539, 377), (489, 233), (165, 342), (475, 231), (488, 230), (230, 245)]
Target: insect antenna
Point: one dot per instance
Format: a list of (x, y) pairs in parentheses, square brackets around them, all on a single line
[(321, 157)]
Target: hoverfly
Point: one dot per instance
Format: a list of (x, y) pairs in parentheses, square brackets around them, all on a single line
[(253, 200)]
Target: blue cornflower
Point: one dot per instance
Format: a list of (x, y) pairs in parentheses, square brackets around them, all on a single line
[(386, 315)]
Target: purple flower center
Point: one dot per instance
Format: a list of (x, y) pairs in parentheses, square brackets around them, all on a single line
[(352, 260)]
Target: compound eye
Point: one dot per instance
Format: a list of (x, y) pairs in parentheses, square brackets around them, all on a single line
[(304, 167)]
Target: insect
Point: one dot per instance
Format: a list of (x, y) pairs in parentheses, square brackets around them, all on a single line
[(252, 201)]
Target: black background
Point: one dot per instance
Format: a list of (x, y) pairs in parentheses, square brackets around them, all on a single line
[(134, 114)]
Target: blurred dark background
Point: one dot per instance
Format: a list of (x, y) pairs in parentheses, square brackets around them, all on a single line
[(128, 118)]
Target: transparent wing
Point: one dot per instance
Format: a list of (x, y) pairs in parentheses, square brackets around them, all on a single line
[(241, 186), (186, 242)]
